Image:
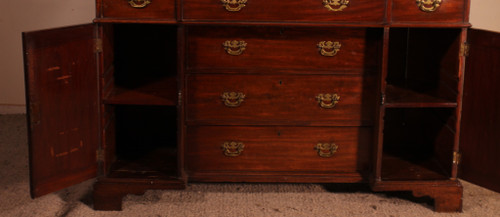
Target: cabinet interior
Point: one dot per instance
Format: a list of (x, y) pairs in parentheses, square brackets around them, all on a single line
[(420, 103), (145, 65), (146, 142), (140, 98), (418, 143), (423, 67)]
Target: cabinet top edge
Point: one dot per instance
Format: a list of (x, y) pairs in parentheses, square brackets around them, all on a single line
[(298, 24)]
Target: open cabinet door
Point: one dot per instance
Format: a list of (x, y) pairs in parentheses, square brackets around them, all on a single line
[(62, 102), (480, 133)]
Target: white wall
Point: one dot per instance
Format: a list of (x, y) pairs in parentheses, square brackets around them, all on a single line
[(17, 16), (485, 14)]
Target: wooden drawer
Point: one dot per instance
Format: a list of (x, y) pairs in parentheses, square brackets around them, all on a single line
[(279, 99), (292, 10), (282, 48), (215, 148), (156, 9), (446, 11)]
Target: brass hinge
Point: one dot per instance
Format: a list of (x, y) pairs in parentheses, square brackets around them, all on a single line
[(179, 98), (456, 158), (98, 45), (464, 49), (99, 155), (382, 99)]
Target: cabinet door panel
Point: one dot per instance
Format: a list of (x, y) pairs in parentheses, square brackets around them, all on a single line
[(62, 101), (479, 139)]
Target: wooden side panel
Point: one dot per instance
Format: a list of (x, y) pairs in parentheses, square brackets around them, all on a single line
[(62, 99), (106, 79), (480, 137)]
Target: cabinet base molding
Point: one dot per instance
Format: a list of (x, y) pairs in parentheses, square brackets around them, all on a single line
[(109, 192), (447, 194)]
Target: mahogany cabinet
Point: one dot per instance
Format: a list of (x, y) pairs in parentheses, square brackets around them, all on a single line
[(158, 93)]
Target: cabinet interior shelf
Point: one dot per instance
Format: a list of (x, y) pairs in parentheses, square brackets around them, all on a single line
[(398, 97), (158, 164), (159, 92), (404, 168)]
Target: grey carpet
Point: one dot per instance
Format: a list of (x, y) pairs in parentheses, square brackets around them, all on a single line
[(216, 200)]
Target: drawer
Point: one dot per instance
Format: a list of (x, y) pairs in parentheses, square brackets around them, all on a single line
[(428, 11), (143, 9), (350, 50), (280, 99), (292, 10), (298, 149)]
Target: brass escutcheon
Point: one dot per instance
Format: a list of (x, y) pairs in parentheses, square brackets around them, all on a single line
[(328, 100), (428, 5), (232, 149), (233, 5), (139, 3), (232, 99), (329, 48), (234, 47), (326, 149), (336, 5)]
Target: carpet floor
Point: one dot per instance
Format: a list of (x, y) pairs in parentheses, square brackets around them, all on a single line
[(217, 200)]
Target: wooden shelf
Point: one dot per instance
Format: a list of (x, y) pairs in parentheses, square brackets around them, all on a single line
[(411, 168), (397, 97), (160, 92), (157, 164)]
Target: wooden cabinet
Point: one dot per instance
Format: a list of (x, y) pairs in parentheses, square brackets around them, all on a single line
[(156, 94)]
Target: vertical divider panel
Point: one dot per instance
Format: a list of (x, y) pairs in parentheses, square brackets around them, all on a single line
[(458, 111), (380, 109), (106, 77), (181, 35)]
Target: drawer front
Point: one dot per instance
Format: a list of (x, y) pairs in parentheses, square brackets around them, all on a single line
[(352, 49), (280, 99), (428, 10), (340, 149), (292, 10), (145, 9)]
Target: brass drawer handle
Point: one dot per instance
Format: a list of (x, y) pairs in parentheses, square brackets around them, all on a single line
[(326, 149), (234, 47), (428, 5), (139, 3), (329, 48), (233, 5), (232, 99), (232, 149), (336, 5), (327, 100)]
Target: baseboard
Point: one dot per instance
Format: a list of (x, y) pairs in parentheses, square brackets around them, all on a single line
[(12, 109)]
